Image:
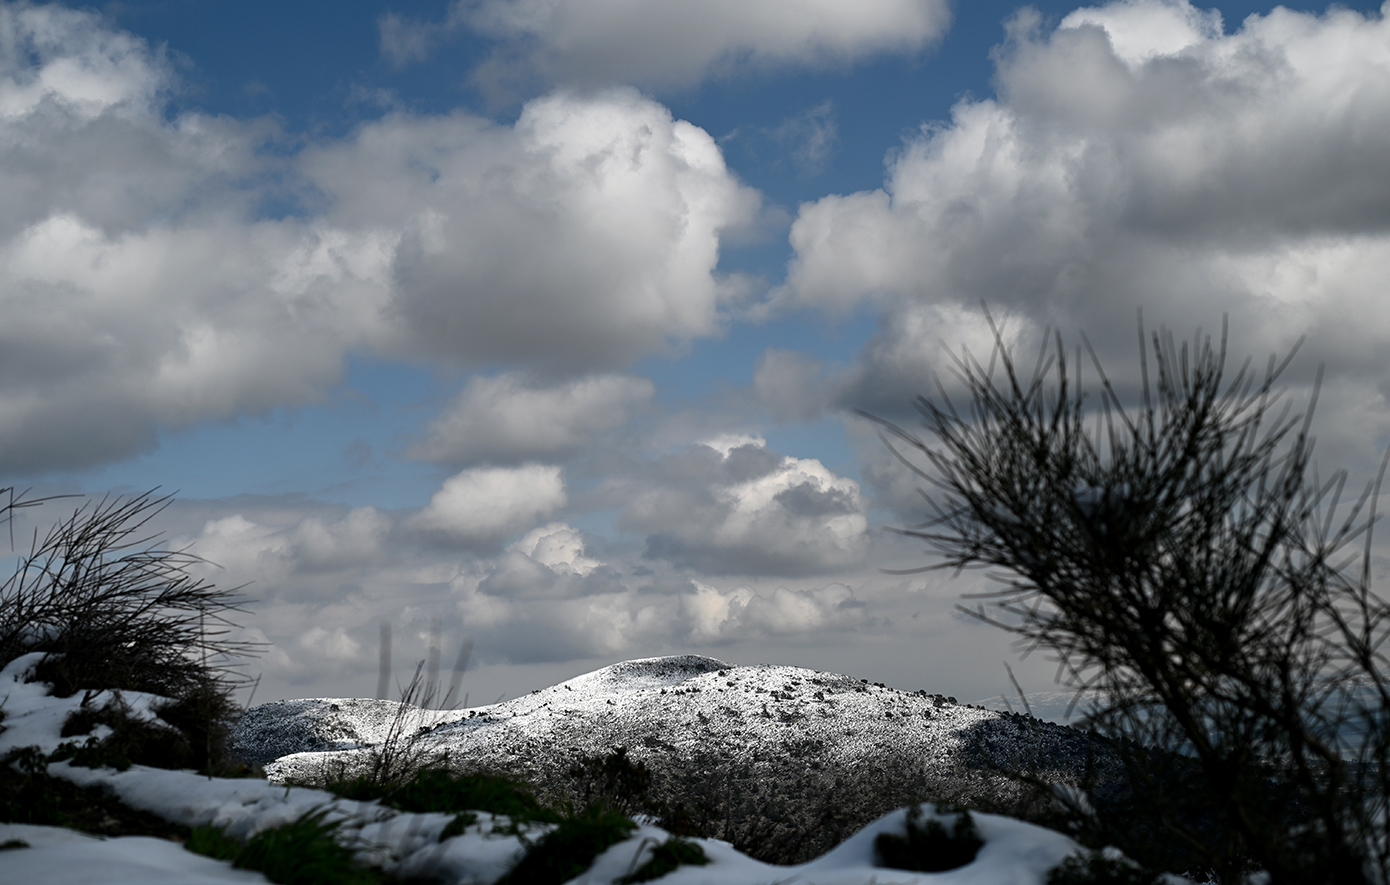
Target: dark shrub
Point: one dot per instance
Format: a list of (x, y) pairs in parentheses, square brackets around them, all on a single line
[(1192, 574), (614, 779), (570, 848), (666, 857), (928, 846), (1097, 868), (303, 852), (440, 790), (112, 608)]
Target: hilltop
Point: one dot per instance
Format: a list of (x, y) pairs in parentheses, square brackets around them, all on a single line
[(784, 762)]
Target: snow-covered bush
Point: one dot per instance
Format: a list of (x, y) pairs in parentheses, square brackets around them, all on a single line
[(1191, 572), (927, 846)]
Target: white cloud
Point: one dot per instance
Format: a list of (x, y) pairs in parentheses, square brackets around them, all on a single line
[(746, 510), (259, 550), (107, 335), (918, 351), (1142, 30), (660, 44), (335, 645), (73, 60), (549, 562), (324, 579), (559, 547), (405, 40), (486, 503), (142, 286), (585, 235), (1138, 156), (715, 616), (506, 419)]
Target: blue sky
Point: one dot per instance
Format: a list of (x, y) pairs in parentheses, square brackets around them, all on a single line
[(547, 318)]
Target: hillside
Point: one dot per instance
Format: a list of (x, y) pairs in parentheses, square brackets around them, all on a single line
[(161, 808), (784, 762)]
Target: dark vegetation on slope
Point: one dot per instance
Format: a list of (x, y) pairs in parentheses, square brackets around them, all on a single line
[(29, 796), (783, 806)]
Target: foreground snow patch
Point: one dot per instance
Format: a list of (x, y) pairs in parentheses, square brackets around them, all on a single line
[(62, 857), (1014, 853)]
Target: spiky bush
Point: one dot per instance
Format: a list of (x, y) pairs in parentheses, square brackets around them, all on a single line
[(1195, 577), (112, 608), (571, 847)]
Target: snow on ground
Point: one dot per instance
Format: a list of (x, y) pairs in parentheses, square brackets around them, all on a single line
[(1015, 853)]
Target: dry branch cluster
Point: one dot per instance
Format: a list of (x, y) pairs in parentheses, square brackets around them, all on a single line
[(112, 608), (1199, 585)]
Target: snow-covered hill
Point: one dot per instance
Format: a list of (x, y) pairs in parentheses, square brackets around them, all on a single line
[(682, 698), (791, 758)]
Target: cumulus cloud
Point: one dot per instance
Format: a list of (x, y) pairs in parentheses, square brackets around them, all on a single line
[(1137, 155), (558, 547), (324, 578), (507, 419), (548, 562), (586, 234), (657, 44), (740, 613), (70, 59), (483, 504), (574, 606), (261, 550), (144, 287), (138, 288), (735, 507), (919, 350)]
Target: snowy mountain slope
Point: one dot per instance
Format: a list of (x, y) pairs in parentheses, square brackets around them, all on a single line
[(791, 758)]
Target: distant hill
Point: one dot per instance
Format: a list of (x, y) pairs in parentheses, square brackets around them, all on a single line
[(783, 762)]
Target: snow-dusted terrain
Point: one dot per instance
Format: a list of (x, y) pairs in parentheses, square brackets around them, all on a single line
[(686, 704), (791, 759)]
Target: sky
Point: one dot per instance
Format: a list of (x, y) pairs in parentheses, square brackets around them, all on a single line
[(543, 325)]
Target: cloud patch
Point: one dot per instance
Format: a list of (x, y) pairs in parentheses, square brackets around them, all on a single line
[(484, 504), (144, 286), (508, 419), (1137, 155), (655, 44), (717, 616), (735, 507), (583, 236)]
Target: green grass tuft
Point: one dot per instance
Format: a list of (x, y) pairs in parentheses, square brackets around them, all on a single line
[(439, 790), (303, 852), (570, 848), (666, 857)]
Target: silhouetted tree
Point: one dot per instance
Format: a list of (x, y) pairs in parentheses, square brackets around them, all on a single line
[(1192, 574)]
